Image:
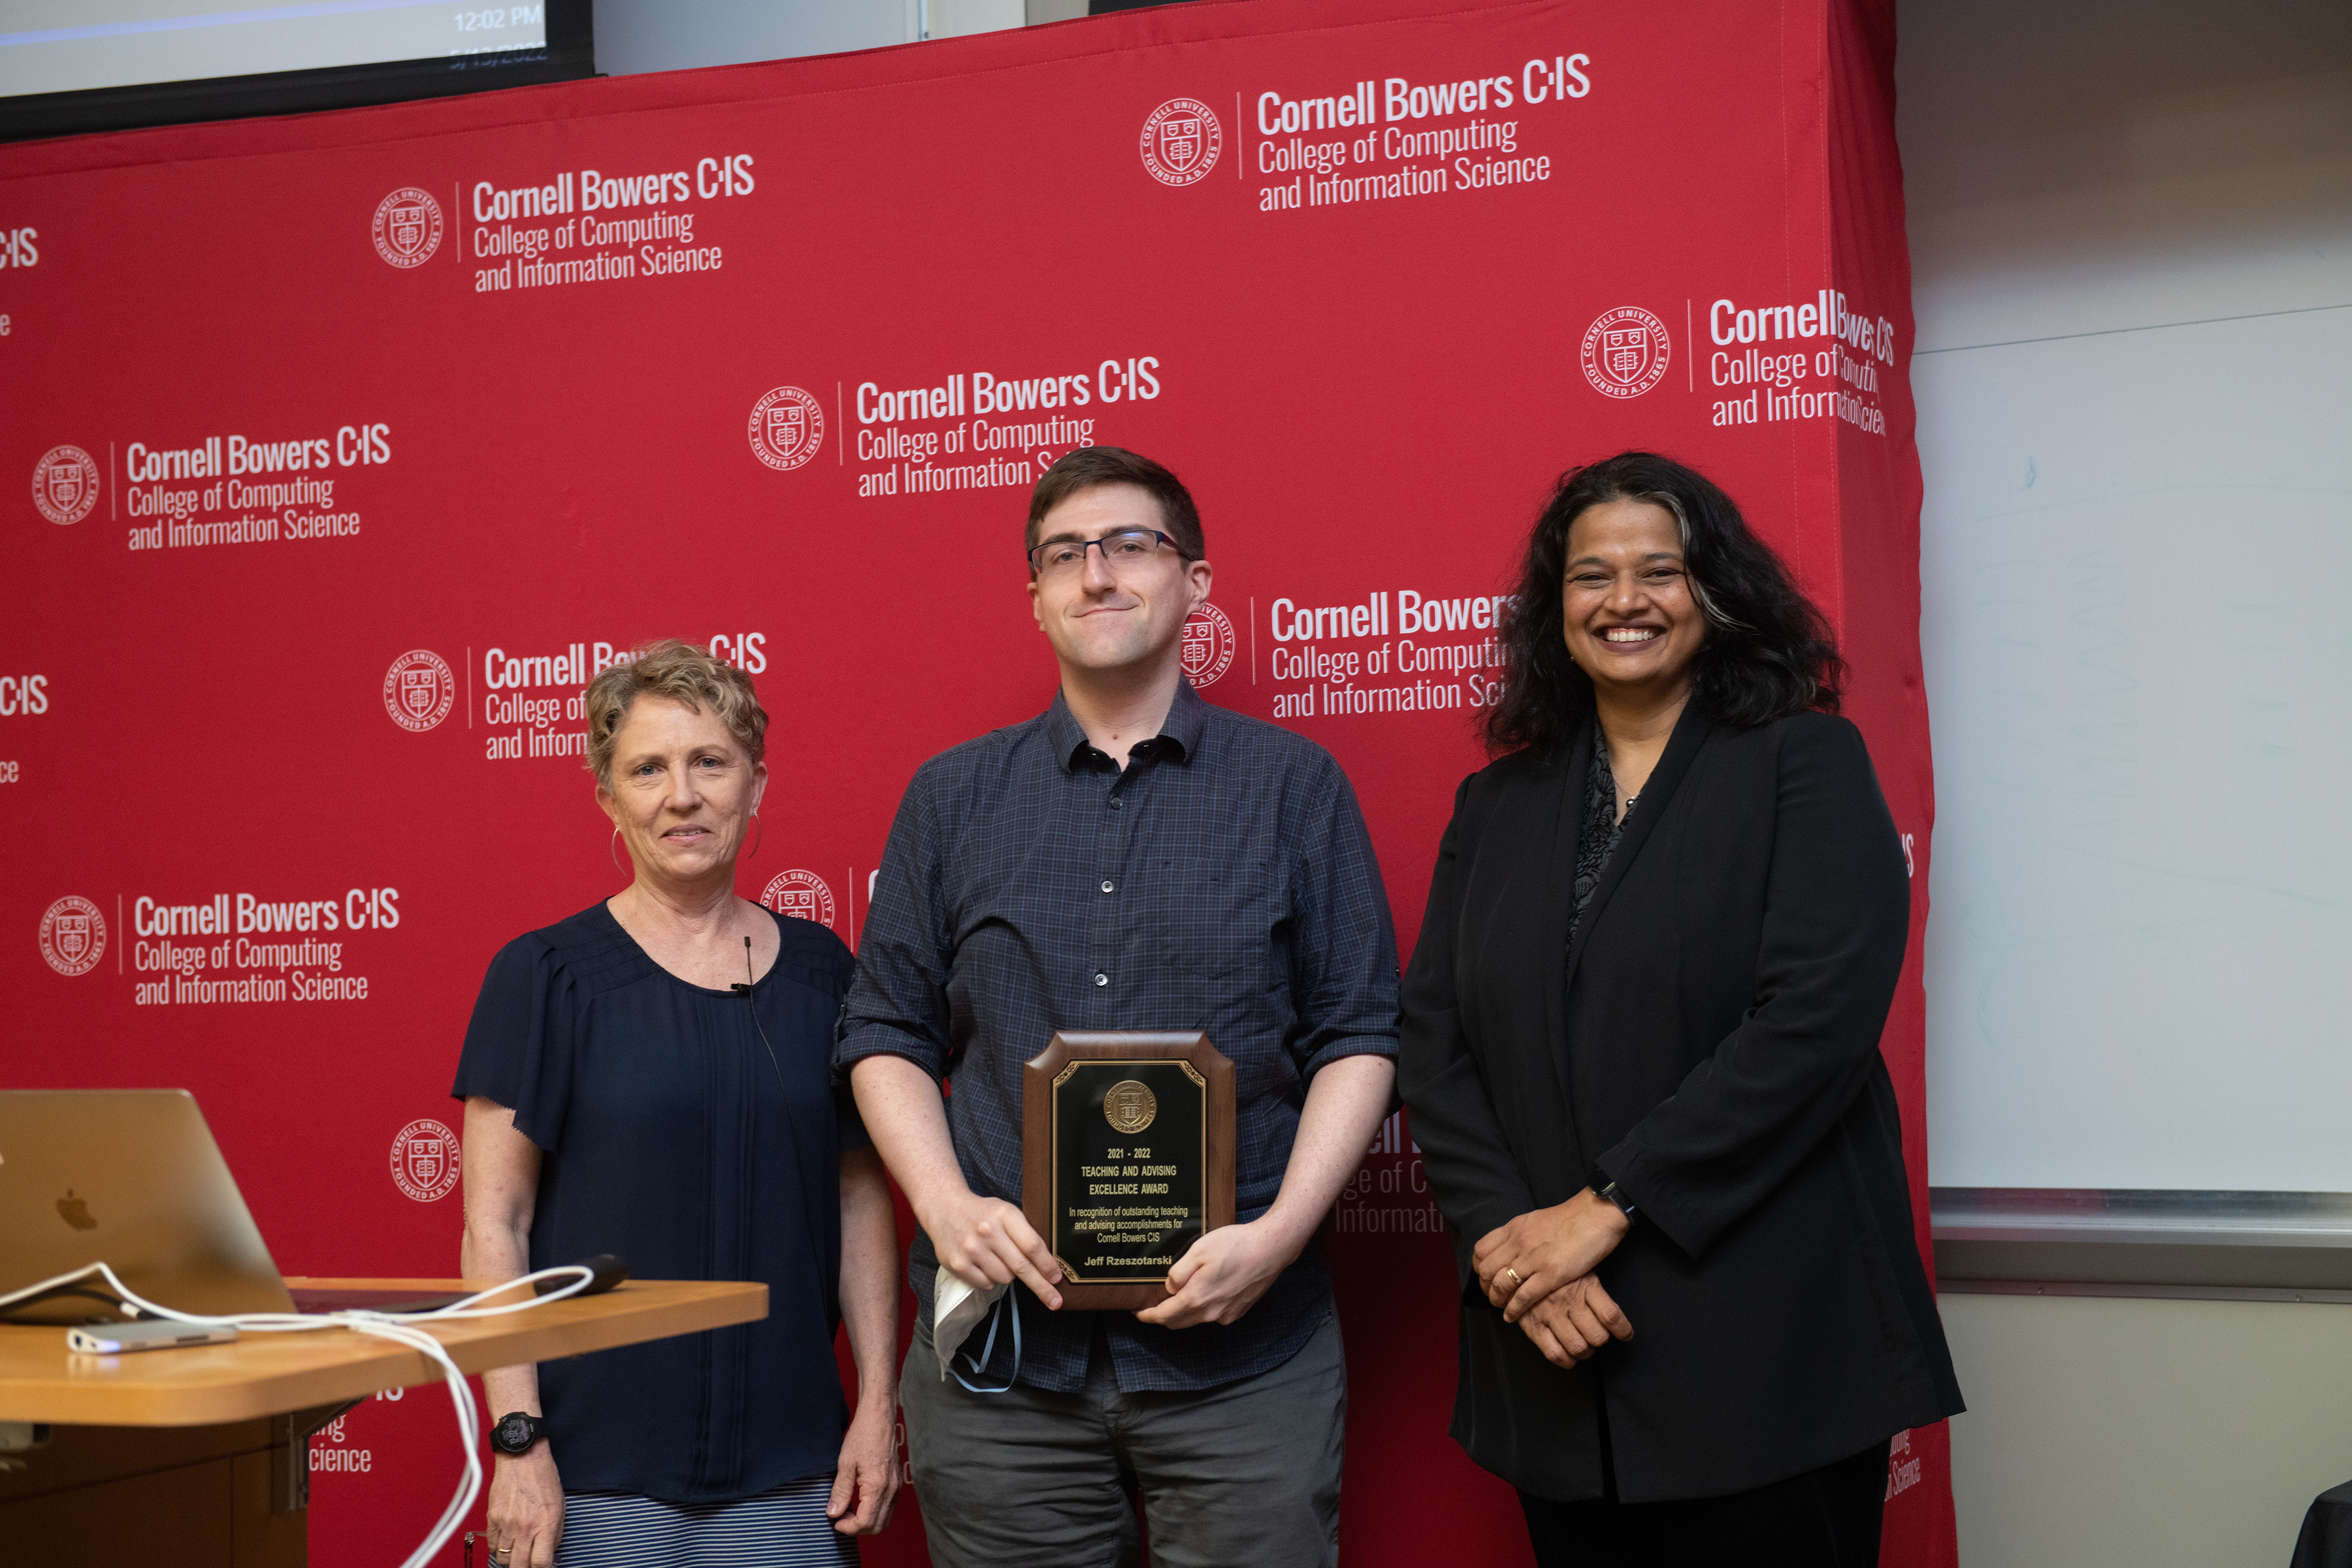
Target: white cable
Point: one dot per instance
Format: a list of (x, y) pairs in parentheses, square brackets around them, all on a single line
[(397, 1327)]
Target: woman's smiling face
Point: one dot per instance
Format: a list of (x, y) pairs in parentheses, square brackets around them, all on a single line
[(682, 793), (1627, 612)]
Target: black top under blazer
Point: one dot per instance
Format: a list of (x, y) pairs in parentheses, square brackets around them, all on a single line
[(1712, 1042)]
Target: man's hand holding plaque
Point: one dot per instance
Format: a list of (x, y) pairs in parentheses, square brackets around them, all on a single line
[(1220, 1276), (987, 1241)]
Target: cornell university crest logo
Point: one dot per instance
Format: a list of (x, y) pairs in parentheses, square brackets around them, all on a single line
[(407, 229), (1208, 644), (418, 690), (73, 936), (1130, 1106), (1180, 142), (787, 429), (1625, 351), (424, 1161), (800, 895), (65, 484)]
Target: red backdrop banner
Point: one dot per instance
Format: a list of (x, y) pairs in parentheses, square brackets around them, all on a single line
[(349, 445)]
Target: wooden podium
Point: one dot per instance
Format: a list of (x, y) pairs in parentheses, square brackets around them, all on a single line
[(201, 1458)]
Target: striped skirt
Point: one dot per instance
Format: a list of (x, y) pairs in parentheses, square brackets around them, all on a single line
[(784, 1527)]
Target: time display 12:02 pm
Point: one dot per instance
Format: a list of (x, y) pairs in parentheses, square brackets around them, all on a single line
[(495, 16)]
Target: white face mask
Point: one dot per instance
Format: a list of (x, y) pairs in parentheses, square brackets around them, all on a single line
[(956, 1310)]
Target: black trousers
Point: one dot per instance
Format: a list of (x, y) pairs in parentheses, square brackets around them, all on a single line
[(1827, 1518)]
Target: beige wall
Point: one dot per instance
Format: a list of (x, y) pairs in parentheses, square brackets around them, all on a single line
[(2106, 1433)]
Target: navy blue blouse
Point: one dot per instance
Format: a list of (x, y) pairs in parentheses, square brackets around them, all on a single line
[(669, 1137)]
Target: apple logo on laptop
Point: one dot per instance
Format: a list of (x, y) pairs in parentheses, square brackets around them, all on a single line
[(75, 1211)]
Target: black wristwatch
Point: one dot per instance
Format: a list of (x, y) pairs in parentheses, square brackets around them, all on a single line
[(1604, 1187), (515, 1433)]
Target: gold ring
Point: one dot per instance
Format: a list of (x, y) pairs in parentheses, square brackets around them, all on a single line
[(1515, 1276)]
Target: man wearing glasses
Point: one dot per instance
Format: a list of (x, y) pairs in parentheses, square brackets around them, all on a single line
[(1131, 859)]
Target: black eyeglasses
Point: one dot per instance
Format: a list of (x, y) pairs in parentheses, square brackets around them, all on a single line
[(1127, 547)]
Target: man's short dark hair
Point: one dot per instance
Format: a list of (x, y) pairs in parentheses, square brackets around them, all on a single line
[(1089, 467)]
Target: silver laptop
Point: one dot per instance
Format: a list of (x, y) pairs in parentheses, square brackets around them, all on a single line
[(131, 1178)]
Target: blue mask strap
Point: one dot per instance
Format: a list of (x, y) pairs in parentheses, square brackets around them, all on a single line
[(1004, 1307)]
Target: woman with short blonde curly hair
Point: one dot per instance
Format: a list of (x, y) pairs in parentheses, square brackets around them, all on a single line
[(681, 673), (652, 1078)]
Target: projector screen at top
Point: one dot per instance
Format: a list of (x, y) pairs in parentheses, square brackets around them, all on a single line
[(71, 45)]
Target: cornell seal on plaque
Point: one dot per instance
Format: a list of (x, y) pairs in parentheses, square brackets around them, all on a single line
[(407, 227), (1180, 142), (65, 484), (1130, 1106), (73, 936), (1625, 351), (800, 895), (419, 689), (1208, 644), (787, 429), (424, 1161)]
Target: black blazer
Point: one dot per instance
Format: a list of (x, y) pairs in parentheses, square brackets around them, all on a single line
[(1712, 1042)]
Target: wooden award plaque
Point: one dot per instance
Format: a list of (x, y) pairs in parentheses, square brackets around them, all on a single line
[(1126, 1158)]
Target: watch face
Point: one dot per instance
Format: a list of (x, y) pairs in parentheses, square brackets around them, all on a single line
[(514, 1434)]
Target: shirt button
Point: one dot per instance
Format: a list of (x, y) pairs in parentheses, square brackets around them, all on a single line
[(1106, 884), (1102, 979)]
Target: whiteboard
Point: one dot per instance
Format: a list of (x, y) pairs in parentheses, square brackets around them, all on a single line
[(2131, 243), (2137, 564)]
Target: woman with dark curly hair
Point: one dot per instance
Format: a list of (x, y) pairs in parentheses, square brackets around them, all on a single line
[(1641, 1047)]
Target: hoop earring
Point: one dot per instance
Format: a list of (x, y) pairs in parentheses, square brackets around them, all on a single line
[(612, 848), (759, 840)]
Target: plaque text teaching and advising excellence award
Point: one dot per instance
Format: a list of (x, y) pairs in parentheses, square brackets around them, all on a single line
[(1128, 1159)]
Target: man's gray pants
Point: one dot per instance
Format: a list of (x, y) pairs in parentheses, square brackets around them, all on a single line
[(1244, 1473)]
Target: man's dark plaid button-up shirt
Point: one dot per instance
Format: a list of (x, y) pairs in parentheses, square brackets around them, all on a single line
[(1222, 882)]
